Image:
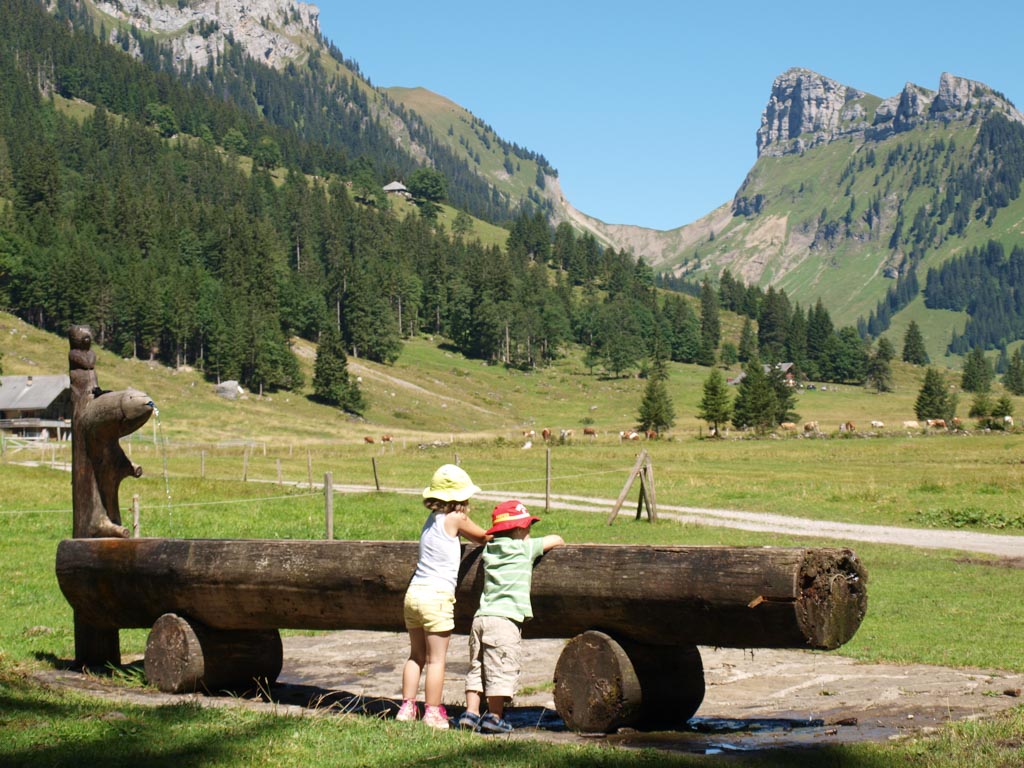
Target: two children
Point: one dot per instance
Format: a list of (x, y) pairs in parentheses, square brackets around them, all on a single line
[(495, 642)]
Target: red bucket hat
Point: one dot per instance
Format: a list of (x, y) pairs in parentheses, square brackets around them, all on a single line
[(511, 514)]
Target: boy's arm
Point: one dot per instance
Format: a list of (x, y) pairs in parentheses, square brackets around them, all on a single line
[(553, 541)]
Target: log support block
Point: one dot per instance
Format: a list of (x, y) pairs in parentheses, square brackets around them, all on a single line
[(184, 656), (603, 684)]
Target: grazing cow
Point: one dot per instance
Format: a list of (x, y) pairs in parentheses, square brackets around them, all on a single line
[(589, 432), (546, 434), (911, 424), (651, 434), (877, 424), (956, 423), (565, 434), (789, 426), (1008, 421), (810, 426), (529, 434), (368, 439), (848, 427), (385, 438), (937, 423), (629, 434)]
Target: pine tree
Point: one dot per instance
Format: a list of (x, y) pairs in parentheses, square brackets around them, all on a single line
[(748, 341), (656, 409), (977, 373), (756, 404), (710, 325), (331, 383), (914, 351), (715, 406), (878, 374), (1002, 410), (933, 399), (1013, 379)]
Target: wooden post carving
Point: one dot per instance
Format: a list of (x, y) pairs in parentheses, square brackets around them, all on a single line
[(98, 465)]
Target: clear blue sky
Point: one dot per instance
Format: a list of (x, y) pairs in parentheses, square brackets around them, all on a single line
[(649, 109)]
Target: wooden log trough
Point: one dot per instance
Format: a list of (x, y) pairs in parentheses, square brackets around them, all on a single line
[(635, 614)]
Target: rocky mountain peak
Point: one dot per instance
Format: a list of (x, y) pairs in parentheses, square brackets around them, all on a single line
[(198, 29), (806, 109)]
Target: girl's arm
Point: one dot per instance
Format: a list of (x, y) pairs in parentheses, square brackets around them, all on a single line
[(552, 541), (466, 528)]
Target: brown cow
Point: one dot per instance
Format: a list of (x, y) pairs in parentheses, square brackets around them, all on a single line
[(367, 439), (811, 426), (546, 434), (385, 438), (651, 434), (629, 434), (937, 423), (529, 434), (589, 432)]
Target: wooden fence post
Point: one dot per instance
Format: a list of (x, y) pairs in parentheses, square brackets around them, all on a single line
[(202, 465), (329, 503), (279, 472), (547, 480), (376, 480), (309, 469), (245, 464), (135, 515)]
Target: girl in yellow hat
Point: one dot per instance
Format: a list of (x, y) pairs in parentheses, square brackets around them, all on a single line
[(430, 599)]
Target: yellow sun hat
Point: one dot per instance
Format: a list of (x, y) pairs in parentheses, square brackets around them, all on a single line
[(450, 483)]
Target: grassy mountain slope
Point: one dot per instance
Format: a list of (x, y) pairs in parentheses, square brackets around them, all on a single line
[(471, 137), (432, 393)]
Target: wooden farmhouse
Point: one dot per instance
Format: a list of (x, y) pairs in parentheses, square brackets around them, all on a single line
[(36, 407)]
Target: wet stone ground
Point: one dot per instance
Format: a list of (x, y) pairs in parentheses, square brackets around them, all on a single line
[(754, 700)]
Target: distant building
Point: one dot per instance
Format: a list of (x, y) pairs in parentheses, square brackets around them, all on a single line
[(397, 188), (36, 406), (786, 368)]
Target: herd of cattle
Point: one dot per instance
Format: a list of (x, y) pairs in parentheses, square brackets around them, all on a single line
[(810, 428)]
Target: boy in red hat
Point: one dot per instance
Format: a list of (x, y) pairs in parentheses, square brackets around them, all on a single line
[(495, 641)]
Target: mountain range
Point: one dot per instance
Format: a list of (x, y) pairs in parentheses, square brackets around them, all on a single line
[(850, 193)]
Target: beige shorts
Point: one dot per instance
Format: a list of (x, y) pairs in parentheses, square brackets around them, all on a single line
[(495, 656), (429, 608)]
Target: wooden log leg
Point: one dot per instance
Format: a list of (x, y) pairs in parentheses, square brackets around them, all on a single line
[(185, 656), (602, 684), (596, 688), (671, 682), (96, 647)]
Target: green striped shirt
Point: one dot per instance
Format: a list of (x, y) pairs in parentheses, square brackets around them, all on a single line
[(508, 573)]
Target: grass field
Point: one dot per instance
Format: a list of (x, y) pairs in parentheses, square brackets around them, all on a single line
[(924, 606)]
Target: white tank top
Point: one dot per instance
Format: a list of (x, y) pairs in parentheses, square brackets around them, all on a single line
[(440, 555)]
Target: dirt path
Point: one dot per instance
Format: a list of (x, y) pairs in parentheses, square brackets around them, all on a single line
[(1011, 547)]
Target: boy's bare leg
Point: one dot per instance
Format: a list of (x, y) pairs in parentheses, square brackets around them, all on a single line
[(496, 705)]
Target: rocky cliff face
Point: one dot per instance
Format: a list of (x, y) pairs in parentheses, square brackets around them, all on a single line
[(806, 109), (267, 29)]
